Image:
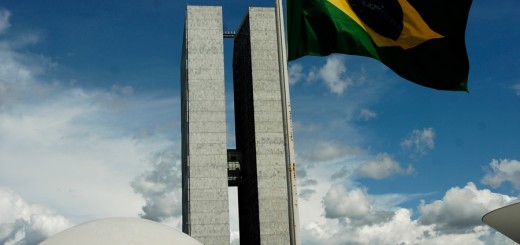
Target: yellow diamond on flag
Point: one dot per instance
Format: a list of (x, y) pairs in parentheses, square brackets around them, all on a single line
[(414, 29)]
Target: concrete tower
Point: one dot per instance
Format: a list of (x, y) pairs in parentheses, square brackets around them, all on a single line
[(259, 166), (262, 195), (205, 208)]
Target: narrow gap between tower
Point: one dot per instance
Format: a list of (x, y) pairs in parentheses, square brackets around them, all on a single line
[(230, 129)]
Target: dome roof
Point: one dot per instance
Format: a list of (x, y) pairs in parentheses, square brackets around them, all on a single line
[(121, 231), (506, 220)]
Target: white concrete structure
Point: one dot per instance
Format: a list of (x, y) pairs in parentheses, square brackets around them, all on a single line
[(263, 199), (121, 231), (205, 209), (506, 220), (262, 165)]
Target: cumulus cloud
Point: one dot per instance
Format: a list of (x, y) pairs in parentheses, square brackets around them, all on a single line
[(23, 223), (420, 141), (401, 229), (75, 146), (461, 209), (352, 206), (340, 203), (334, 75), (351, 215), (383, 166), (356, 217), (161, 187), (4, 20), (503, 171)]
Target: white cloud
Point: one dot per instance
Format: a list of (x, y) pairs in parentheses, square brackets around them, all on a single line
[(15, 76), (355, 207), (503, 171), (320, 153), (356, 217), (420, 141), (73, 149), (295, 73), (4, 20), (299, 73), (345, 212), (334, 75), (401, 229), (383, 166), (84, 160), (366, 114), (23, 223), (340, 203), (161, 187), (461, 209), (329, 150), (516, 88)]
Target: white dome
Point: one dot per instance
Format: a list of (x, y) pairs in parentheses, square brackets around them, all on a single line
[(121, 231), (506, 220)]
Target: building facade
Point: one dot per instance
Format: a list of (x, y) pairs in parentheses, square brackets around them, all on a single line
[(259, 165), (262, 196), (205, 206)]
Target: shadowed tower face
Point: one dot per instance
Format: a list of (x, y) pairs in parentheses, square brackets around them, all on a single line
[(262, 195), (258, 167)]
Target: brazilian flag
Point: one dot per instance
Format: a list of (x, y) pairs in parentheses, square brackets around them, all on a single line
[(421, 40)]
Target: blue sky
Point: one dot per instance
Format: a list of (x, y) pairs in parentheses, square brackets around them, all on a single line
[(90, 127)]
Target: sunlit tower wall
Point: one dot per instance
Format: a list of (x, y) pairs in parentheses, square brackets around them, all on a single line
[(205, 211), (262, 194)]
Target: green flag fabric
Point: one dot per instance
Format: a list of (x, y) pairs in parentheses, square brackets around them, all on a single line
[(421, 40)]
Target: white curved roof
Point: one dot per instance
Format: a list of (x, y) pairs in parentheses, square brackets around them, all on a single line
[(121, 231), (506, 220)]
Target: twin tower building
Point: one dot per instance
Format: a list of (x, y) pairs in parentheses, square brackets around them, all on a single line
[(262, 165)]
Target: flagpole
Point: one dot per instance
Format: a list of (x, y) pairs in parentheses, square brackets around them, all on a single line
[(294, 218)]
